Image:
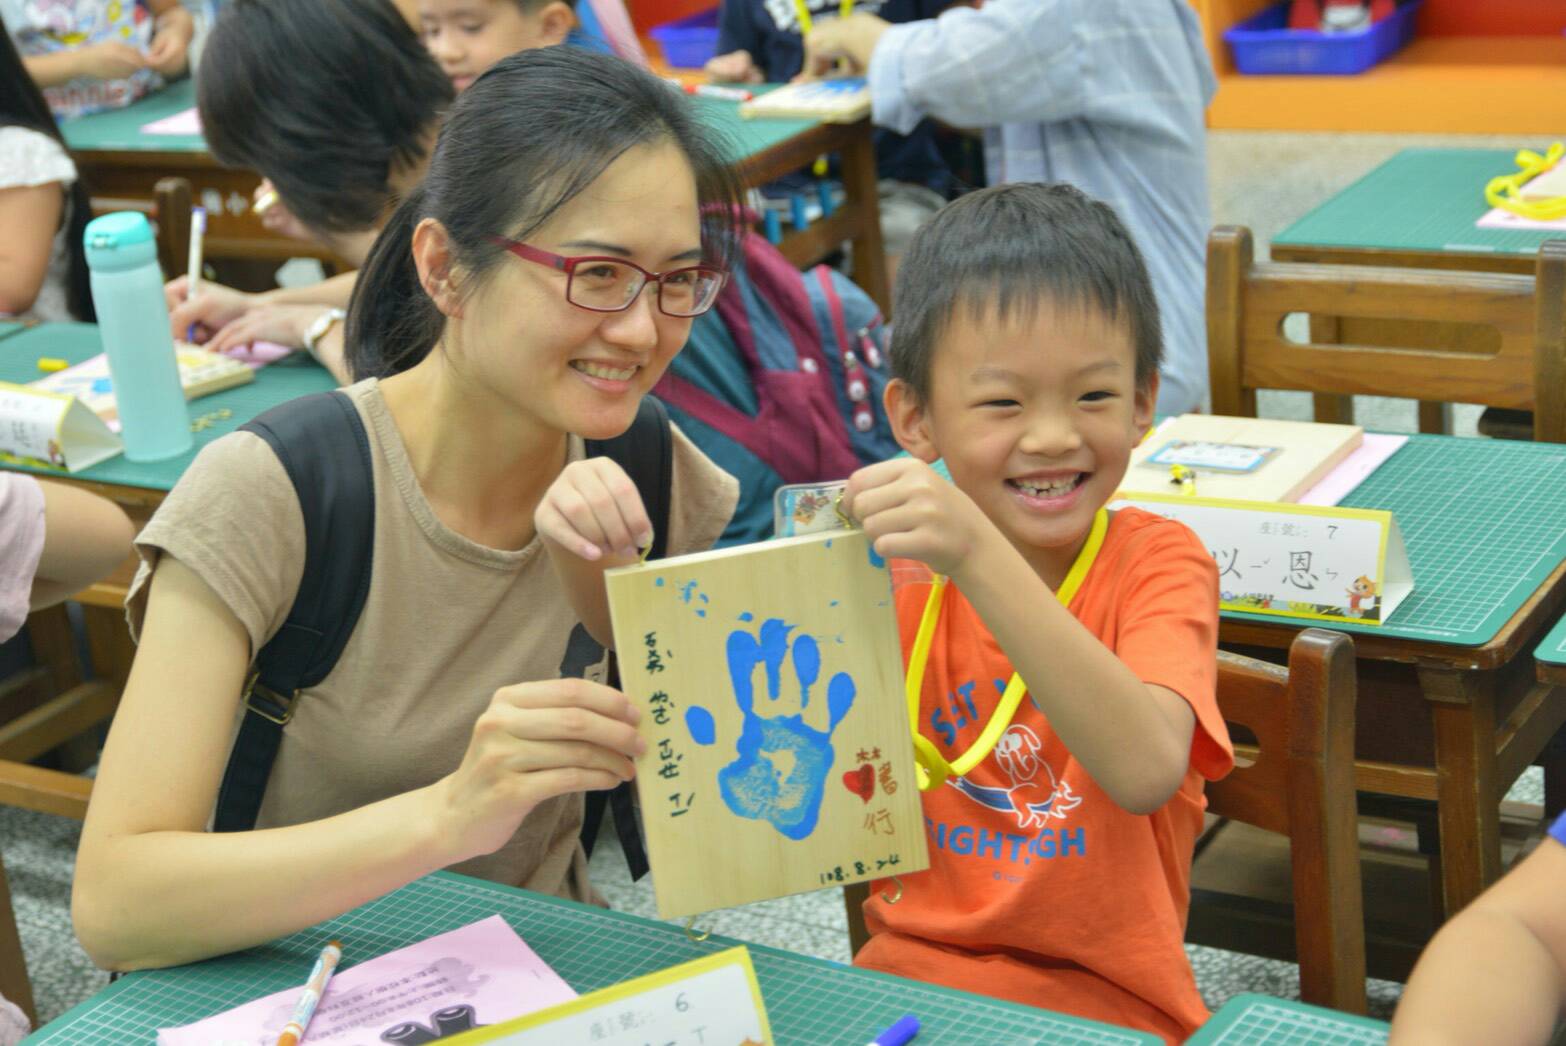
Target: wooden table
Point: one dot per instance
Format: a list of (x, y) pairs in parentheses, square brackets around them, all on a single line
[(1415, 211), (118, 160), (1455, 715), (1550, 656)]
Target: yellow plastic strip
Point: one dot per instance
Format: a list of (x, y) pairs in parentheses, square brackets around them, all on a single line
[(1505, 192), (930, 766)]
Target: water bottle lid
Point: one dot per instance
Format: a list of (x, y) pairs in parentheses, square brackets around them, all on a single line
[(119, 240)]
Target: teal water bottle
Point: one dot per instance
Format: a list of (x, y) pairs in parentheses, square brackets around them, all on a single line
[(127, 290)]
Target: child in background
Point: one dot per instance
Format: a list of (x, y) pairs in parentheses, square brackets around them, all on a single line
[(468, 36), (43, 207), (1497, 970), (89, 55), (58, 539), (340, 148), (1026, 357), (761, 41)]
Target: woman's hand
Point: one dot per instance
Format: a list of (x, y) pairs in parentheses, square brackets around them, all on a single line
[(535, 741), (213, 307), (169, 50), (593, 510)]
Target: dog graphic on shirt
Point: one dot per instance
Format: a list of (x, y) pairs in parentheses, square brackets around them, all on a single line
[(1033, 798)]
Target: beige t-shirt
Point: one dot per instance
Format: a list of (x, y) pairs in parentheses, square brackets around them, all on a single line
[(446, 623)]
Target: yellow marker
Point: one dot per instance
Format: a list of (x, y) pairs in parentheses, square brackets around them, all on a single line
[(50, 364), (1184, 477)]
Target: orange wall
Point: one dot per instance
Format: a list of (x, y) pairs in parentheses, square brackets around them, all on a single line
[(1493, 18)]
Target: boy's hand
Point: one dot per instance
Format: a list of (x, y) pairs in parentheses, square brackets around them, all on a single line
[(852, 39), (166, 54), (736, 67), (910, 512), (594, 510), (110, 60)]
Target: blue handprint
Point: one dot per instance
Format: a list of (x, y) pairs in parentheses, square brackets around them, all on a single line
[(781, 770)]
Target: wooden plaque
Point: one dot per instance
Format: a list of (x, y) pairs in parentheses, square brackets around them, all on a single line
[(779, 758)]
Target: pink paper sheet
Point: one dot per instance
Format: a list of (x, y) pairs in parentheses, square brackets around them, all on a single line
[(1352, 470), (484, 967), (187, 122), (1495, 218)]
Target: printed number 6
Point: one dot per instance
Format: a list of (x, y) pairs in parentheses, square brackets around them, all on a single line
[(680, 1003)]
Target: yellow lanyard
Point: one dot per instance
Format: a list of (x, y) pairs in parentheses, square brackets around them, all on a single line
[(931, 767), (806, 22), (1504, 192)]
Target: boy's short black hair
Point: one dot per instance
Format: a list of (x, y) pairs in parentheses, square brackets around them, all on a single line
[(1014, 246)]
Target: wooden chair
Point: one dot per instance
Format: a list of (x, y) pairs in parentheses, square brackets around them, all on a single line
[(14, 985), (1434, 336), (169, 212), (1297, 779)]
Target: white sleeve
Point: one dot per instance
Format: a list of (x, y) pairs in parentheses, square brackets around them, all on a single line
[(29, 158)]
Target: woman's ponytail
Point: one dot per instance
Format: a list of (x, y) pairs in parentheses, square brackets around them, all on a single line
[(392, 323)]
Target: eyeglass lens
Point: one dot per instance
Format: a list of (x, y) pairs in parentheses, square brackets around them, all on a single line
[(609, 285)]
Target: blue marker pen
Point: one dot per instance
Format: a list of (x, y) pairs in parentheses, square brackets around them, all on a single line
[(898, 1034), (824, 194), (796, 203), (773, 227)]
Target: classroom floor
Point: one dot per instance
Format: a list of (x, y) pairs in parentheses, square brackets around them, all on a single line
[(1263, 180)]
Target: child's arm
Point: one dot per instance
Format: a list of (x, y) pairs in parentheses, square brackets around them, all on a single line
[(1497, 970), (168, 53), (32, 213), (110, 60), (592, 519), (1134, 738), (154, 888), (739, 42), (85, 537)]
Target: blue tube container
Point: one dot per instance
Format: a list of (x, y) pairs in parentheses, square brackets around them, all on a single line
[(133, 321)]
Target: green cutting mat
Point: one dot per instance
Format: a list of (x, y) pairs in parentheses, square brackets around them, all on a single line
[(1482, 522), (10, 327), (74, 342), (1420, 200), (1552, 651), (809, 1001), (1259, 1020), (120, 129)]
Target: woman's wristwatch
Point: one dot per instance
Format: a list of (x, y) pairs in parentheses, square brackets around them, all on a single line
[(319, 326)]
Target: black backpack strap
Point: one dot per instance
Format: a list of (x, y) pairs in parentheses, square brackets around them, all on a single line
[(322, 445), (646, 452)]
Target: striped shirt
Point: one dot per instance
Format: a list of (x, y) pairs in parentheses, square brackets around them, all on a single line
[(1107, 95)]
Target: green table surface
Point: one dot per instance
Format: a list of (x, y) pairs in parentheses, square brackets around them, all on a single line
[(10, 327), (1260, 1020), (809, 1001), (74, 342), (120, 129), (1419, 200), (1482, 522), (1552, 651)]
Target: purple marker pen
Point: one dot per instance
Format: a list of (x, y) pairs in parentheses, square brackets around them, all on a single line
[(899, 1034)]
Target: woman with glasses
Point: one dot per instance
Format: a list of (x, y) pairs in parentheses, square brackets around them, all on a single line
[(529, 294)]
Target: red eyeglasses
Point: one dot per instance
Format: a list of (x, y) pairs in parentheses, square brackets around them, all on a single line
[(606, 284)]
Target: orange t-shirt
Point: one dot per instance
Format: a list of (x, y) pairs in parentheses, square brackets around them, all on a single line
[(1040, 888)]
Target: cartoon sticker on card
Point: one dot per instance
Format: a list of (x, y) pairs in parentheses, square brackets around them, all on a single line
[(779, 756)]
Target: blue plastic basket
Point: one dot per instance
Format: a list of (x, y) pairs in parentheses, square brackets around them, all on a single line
[(1264, 45), (689, 42)]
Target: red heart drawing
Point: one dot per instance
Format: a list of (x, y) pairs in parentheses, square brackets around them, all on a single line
[(861, 782)]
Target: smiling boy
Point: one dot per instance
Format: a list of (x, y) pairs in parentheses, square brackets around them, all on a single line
[(1026, 357), (468, 36)]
